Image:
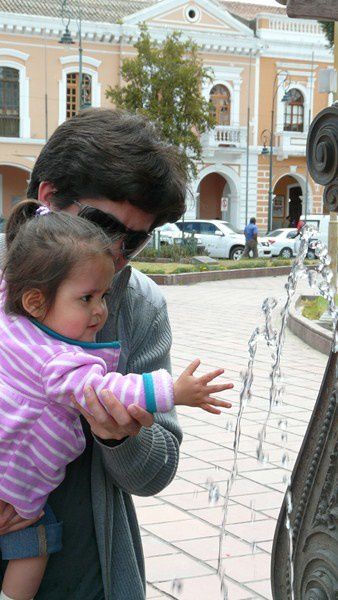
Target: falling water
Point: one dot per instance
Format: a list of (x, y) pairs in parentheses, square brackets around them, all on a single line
[(320, 277)]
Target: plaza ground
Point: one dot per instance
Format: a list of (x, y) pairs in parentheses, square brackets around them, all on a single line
[(180, 527)]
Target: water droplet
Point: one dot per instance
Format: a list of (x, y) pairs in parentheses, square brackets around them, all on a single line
[(214, 494), (253, 547), (286, 479), (262, 457), (285, 459), (177, 585)]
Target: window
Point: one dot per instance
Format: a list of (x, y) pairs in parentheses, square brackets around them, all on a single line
[(208, 228), (190, 227), (220, 104), (9, 102), (72, 100), (294, 111)]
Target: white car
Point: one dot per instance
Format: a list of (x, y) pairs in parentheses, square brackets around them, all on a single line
[(170, 234), (220, 239), (283, 242)]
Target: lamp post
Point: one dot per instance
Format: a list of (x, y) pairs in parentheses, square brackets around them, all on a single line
[(67, 39), (265, 150)]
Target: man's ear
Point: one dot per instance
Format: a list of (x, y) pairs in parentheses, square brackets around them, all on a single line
[(46, 193), (33, 302)]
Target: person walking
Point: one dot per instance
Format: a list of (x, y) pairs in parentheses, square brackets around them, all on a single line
[(251, 234)]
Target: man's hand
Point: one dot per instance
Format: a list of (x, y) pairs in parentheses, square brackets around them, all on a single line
[(10, 521), (115, 423)]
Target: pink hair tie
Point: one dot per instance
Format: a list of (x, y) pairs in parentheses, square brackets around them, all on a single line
[(42, 210)]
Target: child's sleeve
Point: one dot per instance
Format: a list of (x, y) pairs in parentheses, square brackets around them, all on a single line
[(69, 372)]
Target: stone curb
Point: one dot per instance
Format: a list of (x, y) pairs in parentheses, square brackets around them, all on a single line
[(198, 277), (312, 334)]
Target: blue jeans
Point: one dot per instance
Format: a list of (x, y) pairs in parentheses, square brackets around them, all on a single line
[(40, 539)]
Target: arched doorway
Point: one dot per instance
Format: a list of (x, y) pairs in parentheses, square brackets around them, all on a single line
[(288, 195), (13, 187), (214, 197)]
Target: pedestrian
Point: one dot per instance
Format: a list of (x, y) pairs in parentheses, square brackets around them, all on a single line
[(126, 178), (57, 275), (251, 233)]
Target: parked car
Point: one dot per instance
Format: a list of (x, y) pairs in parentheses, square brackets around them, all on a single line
[(282, 241), (220, 239), (170, 234)]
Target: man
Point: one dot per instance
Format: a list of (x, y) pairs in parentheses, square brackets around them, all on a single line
[(251, 233), (114, 162)]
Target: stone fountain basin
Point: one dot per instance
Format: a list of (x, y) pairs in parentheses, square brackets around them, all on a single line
[(311, 332)]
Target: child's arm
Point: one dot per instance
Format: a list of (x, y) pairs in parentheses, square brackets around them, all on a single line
[(68, 373)]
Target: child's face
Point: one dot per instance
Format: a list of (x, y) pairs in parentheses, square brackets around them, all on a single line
[(79, 310)]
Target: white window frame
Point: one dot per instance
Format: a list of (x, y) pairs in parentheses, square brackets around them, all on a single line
[(74, 68), (24, 126), (230, 77), (305, 91)]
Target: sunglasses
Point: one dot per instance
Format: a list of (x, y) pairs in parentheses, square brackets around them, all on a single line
[(132, 241)]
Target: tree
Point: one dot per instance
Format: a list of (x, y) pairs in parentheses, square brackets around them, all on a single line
[(328, 28), (163, 82)]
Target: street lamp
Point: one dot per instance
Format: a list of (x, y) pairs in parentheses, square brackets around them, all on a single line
[(67, 39), (269, 132)]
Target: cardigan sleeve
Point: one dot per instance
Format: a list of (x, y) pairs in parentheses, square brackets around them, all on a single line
[(145, 464), (69, 372)]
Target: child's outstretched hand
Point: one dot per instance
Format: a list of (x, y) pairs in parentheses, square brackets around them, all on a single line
[(195, 391)]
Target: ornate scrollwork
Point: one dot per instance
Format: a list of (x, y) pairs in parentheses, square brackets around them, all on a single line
[(327, 509), (322, 153), (319, 584)]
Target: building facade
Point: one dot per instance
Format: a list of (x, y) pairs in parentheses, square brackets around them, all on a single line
[(265, 69)]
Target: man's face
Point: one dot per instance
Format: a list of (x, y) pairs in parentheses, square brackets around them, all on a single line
[(132, 217)]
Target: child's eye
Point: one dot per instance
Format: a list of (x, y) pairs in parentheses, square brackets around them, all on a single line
[(105, 295), (86, 298)]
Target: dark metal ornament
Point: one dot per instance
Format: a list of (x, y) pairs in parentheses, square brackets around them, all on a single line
[(322, 154)]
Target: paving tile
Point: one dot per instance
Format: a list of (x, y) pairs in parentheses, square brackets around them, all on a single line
[(255, 532), (262, 587), (190, 501), (184, 530), (167, 568), (203, 588), (162, 513), (236, 513), (252, 567), (207, 549), (153, 546)]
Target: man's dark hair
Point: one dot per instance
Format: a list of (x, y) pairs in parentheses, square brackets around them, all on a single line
[(104, 153), (253, 220)]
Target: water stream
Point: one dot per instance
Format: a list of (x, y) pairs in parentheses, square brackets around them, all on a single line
[(319, 277)]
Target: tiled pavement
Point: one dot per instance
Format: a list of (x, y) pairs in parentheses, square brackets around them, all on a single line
[(180, 526)]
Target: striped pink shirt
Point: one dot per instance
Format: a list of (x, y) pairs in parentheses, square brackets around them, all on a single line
[(40, 430)]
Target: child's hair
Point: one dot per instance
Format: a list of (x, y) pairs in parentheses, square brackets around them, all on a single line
[(43, 249)]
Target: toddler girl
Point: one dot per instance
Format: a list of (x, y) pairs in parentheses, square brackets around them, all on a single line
[(57, 274)]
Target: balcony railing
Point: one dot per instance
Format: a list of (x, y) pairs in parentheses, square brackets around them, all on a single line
[(296, 26), (9, 126), (224, 135)]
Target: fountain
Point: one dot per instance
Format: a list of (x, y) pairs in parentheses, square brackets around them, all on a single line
[(304, 563)]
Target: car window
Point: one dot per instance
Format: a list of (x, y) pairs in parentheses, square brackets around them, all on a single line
[(292, 234), (275, 233), (208, 228), (191, 227)]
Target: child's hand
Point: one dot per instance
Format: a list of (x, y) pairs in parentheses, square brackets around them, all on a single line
[(195, 391)]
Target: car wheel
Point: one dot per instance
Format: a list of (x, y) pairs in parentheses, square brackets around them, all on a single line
[(236, 253), (286, 253)]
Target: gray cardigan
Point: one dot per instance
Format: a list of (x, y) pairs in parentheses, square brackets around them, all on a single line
[(141, 465)]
